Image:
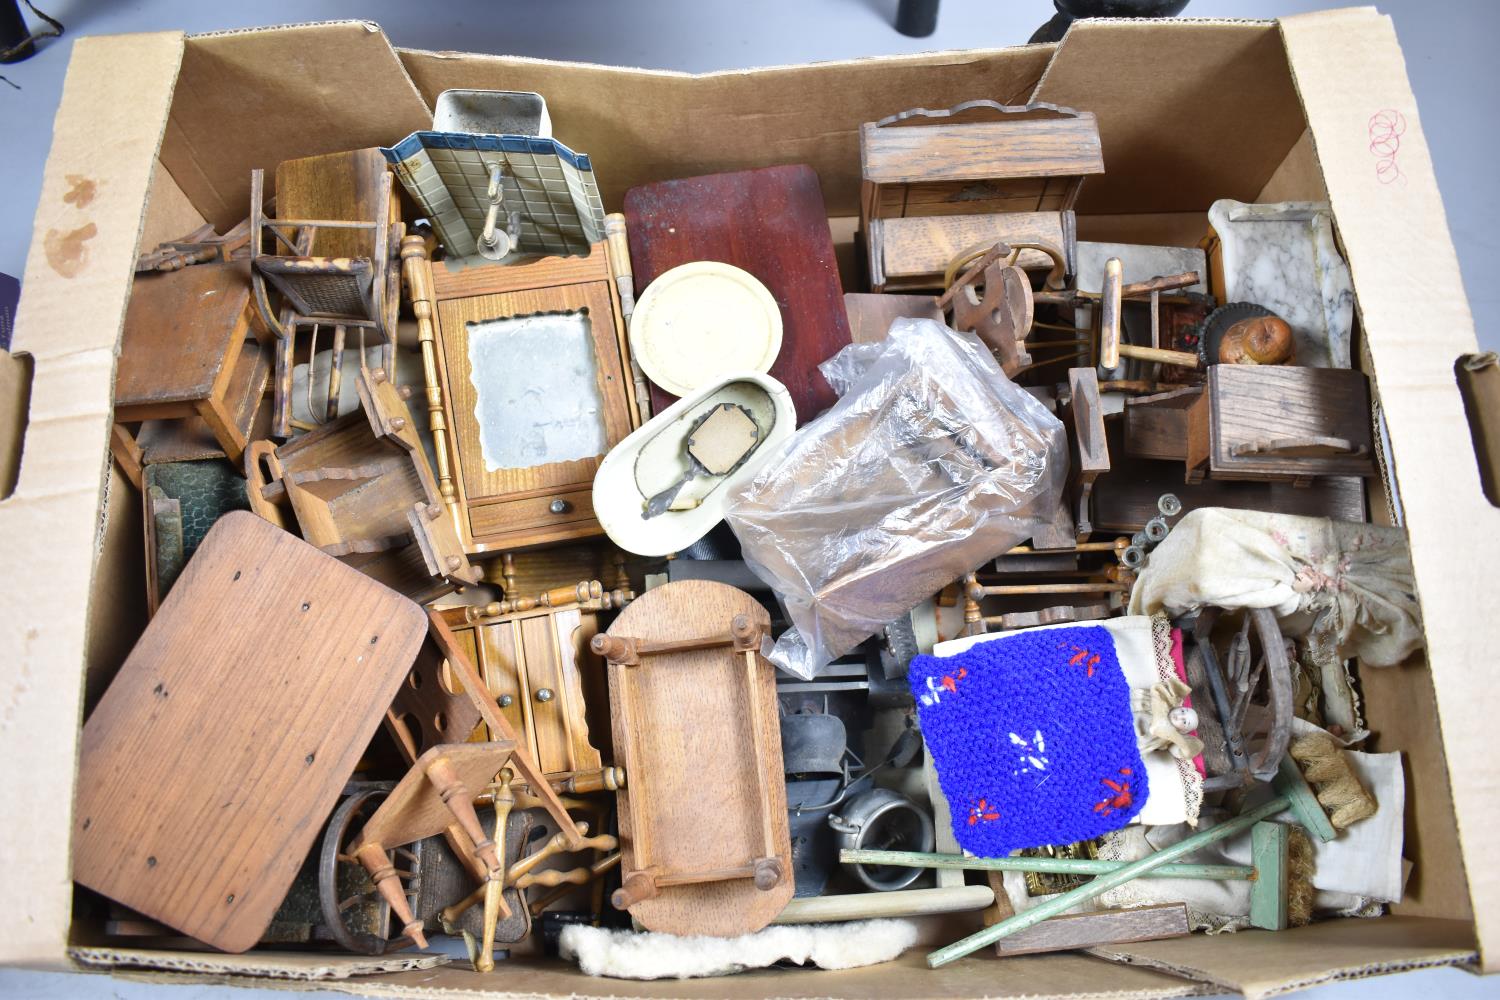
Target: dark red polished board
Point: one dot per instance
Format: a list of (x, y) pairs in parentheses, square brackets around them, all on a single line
[(770, 222)]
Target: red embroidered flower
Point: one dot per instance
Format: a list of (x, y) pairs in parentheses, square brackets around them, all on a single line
[(982, 811), (1120, 797)]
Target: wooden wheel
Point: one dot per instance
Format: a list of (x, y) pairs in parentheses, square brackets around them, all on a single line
[(345, 890), (1244, 698)]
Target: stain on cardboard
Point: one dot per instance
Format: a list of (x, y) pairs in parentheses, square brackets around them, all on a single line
[(67, 252), (82, 191)]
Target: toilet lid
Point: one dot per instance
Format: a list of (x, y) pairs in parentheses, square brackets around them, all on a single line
[(701, 321)]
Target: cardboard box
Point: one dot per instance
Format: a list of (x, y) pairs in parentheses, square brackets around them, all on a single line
[(157, 132)]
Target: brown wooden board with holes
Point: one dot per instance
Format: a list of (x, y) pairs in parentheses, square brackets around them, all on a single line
[(1285, 422), (222, 745), (538, 501), (697, 731), (771, 222)]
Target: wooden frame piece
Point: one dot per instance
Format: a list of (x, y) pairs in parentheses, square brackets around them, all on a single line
[(1084, 417)]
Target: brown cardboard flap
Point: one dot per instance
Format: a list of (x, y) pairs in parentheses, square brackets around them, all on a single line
[(109, 124), (1216, 93), (1261, 964), (1411, 304), (644, 125), (254, 98), (261, 964), (1073, 976)]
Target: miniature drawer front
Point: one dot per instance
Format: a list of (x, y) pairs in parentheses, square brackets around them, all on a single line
[(1270, 421), (535, 515), (530, 664)]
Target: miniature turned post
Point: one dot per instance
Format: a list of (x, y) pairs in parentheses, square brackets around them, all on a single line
[(460, 803), (637, 887), (383, 873), (973, 614), (617, 247), (418, 272)]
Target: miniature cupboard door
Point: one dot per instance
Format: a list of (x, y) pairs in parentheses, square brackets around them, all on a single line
[(538, 397), (531, 665)]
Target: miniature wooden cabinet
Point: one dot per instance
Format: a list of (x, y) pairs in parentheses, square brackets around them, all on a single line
[(939, 183), (533, 663), (1279, 422), (536, 389)]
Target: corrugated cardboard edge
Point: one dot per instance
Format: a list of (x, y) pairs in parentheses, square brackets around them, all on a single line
[(261, 965), (932, 57), (78, 276), (1347, 67), (1259, 964)]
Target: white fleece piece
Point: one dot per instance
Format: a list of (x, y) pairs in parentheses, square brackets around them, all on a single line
[(623, 954)]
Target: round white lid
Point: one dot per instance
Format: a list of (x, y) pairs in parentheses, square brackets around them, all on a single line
[(702, 320)]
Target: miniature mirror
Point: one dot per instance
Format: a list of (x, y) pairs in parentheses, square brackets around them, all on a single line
[(536, 388)]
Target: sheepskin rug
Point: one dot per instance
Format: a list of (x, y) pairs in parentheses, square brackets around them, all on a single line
[(623, 954)]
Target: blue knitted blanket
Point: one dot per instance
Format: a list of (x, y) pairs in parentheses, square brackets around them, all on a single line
[(1032, 738)]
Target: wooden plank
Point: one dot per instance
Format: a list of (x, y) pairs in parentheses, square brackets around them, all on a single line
[(1057, 147), (771, 222), (1269, 847), (209, 765), (1157, 426), (700, 741), (871, 315), (1090, 930)]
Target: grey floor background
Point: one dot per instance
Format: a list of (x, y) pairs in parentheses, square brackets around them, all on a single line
[(1451, 56)]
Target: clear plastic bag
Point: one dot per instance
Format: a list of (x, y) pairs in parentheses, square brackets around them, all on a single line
[(930, 464)]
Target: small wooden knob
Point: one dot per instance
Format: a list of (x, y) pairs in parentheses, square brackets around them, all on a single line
[(768, 873)]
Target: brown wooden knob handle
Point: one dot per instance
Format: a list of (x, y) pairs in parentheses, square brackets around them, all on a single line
[(637, 888)]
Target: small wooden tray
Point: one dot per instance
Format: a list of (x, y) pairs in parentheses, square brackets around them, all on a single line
[(225, 739), (703, 822)]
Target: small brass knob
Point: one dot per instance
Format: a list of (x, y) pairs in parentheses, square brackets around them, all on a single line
[(560, 506), (506, 701)]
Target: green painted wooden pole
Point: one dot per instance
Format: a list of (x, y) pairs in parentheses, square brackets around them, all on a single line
[(1103, 883), (1051, 866)]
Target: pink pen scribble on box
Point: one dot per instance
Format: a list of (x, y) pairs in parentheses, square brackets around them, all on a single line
[(1386, 128)]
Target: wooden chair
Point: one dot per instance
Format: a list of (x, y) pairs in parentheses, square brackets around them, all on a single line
[(338, 269)]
